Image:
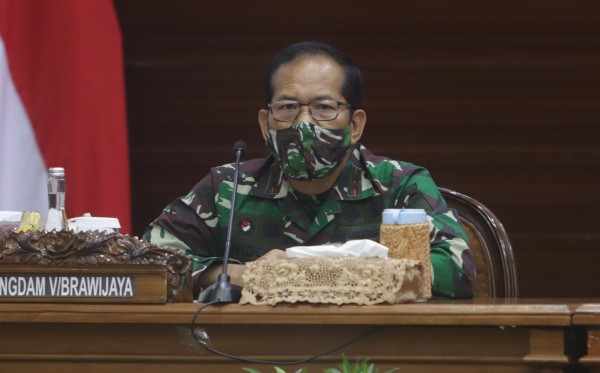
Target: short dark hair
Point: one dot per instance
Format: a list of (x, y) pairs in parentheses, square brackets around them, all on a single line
[(352, 88)]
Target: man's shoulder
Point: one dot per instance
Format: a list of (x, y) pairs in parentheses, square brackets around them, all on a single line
[(378, 164), (248, 168)]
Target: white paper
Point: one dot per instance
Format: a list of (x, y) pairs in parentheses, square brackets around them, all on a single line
[(87, 222), (10, 216), (352, 248)]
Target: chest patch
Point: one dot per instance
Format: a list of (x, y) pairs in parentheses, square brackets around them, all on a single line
[(246, 225)]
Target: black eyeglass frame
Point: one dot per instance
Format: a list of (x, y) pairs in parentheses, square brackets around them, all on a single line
[(300, 105)]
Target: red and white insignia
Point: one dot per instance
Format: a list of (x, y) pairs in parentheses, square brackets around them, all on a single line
[(246, 225)]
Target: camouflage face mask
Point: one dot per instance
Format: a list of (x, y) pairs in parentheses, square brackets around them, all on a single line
[(306, 151)]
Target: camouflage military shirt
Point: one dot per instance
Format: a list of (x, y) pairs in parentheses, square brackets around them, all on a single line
[(270, 214)]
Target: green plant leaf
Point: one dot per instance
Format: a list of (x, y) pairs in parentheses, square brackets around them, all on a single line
[(360, 366), (346, 365)]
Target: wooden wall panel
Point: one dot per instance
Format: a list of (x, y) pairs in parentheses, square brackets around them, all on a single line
[(499, 99)]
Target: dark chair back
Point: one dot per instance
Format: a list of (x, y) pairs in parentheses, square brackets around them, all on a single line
[(490, 246)]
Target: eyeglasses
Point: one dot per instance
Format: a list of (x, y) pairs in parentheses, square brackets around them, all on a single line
[(322, 110)]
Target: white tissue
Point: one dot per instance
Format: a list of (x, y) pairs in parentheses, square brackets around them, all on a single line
[(352, 248)]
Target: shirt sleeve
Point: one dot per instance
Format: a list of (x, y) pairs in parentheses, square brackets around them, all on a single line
[(190, 224)]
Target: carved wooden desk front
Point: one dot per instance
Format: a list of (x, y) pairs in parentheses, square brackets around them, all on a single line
[(485, 335), (588, 316)]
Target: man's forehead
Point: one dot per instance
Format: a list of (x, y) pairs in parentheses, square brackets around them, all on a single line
[(319, 74), (309, 61)]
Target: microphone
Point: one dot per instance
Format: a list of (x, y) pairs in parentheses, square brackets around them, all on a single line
[(223, 291)]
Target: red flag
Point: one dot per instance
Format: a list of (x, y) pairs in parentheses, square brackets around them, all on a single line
[(65, 61)]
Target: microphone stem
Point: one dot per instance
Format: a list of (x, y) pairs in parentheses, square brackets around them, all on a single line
[(238, 155)]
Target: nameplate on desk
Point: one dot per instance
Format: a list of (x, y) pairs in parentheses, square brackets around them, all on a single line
[(93, 284), (99, 286)]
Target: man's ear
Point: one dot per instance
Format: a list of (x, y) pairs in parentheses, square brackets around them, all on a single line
[(263, 121), (357, 125)]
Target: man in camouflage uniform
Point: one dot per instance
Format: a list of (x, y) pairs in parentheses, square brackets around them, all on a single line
[(320, 185)]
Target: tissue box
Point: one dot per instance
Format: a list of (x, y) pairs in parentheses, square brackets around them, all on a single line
[(362, 281)]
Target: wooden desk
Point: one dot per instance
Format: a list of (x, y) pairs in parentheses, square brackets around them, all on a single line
[(485, 335), (587, 316)]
